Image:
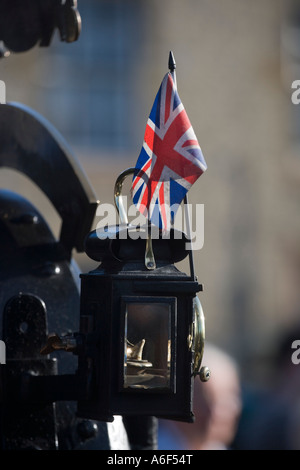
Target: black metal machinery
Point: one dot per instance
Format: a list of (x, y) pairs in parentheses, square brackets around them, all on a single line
[(136, 336), (26, 23), (39, 288)]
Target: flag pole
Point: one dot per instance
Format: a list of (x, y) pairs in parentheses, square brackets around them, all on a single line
[(172, 67)]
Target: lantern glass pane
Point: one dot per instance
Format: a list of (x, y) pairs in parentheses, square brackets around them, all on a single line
[(147, 356)]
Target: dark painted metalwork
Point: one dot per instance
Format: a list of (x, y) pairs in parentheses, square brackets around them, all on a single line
[(26, 23), (39, 290), (31, 145)]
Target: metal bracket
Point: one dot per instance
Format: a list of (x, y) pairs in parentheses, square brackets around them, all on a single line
[(31, 145)]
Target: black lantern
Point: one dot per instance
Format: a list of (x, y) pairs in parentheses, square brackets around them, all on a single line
[(141, 324)]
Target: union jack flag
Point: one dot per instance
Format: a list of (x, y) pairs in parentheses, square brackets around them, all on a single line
[(170, 160)]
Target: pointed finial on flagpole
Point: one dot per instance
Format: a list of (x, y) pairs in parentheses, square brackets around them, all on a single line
[(172, 67), (172, 63)]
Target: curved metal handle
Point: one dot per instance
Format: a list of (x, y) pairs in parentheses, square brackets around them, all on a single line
[(149, 255), (118, 194), (199, 340)]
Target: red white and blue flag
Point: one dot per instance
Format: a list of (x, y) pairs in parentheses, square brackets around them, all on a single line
[(170, 161)]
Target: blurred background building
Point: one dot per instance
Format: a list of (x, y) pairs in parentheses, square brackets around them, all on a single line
[(236, 61)]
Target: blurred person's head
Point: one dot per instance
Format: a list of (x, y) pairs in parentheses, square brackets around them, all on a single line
[(222, 395), (217, 405)]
